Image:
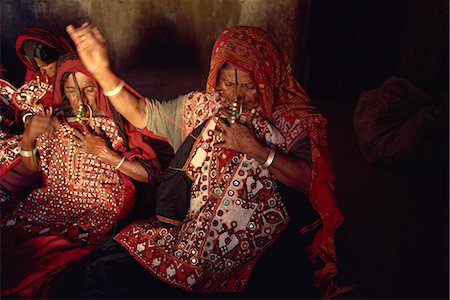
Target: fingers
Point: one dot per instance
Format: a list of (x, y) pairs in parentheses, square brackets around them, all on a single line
[(249, 117), (82, 36), (97, 34), (53, 125), (78, 135), (86, 129), (98, 130), (225, 114), (222, 124)]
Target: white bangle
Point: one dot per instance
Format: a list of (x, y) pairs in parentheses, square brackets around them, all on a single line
[(25, 116), (27, 153), (270, 158), (120, 163), (115, 90)]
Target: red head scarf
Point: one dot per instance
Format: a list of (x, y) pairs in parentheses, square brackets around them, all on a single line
[(254, 51), (49, 38), (45, 36), (137, 144)]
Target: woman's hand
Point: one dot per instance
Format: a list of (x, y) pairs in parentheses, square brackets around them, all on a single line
[(288, 169), (41, 123), (91, 46), (95, 143), (92, 142), (236, 136)]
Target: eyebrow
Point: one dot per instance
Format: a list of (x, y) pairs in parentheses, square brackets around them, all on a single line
[(234, 82)]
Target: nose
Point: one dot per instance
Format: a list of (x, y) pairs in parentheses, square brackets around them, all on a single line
[(238, 92)]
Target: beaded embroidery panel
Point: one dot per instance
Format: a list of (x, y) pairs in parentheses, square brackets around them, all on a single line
[(235, 214), (81, 196)]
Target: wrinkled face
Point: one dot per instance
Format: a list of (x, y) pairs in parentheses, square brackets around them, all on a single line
[(88, 92), (245, 87), (46, 69)]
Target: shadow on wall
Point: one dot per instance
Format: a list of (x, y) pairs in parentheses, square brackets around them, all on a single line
[(152, 33), (161, 45)]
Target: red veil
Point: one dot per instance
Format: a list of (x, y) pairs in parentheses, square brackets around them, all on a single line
[(33, 258), (45, 36), (136, 141), (254, 51)]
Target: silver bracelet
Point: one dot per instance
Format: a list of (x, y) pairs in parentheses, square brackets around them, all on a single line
[(115, 90), (120, 163), (270, 158), (27, 153)]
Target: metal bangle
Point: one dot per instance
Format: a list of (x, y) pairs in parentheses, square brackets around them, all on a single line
[(115, 90), (25, 116), (120, 163), (27, 153), (270, 158)]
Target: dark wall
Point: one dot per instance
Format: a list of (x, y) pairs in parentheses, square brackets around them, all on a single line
[(338, 47), (356, 45), (152, 34)]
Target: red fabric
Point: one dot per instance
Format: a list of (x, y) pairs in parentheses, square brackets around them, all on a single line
[(138, 143), (254, 51), (61, 221), (32, 260), (47, 37)]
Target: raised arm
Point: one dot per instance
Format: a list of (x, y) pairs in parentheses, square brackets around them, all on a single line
[(93, 51)]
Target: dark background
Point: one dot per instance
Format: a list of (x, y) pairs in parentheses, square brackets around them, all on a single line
[(394, 242)]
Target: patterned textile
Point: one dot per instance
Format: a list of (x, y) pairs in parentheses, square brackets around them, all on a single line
[(9, 151), (253, 50), (81, 197), (28, 96), (80, 200), (138, 144), (284, 103), (31, 96), (7, 108), (27, 99), (235, 212), (49, 38)]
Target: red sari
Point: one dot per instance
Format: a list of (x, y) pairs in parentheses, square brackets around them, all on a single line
[(79, 202)]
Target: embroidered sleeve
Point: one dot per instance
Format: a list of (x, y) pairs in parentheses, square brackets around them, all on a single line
[(198, 107)]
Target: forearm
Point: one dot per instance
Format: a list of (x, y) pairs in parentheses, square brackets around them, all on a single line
[(131, 168), (288, 169), (127, 104), (31, 163)]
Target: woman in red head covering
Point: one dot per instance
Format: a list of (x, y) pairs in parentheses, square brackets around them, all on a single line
[(39, 49), (252, 134), (87, 155)]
